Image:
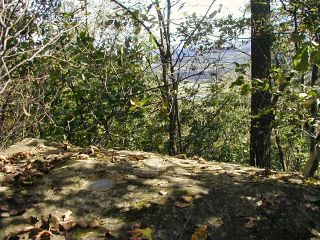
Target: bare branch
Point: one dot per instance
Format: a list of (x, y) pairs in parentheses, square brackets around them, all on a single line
[(37, 52)]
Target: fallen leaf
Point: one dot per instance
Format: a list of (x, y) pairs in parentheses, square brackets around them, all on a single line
[(9, 169), (66, 216), (25, 111), (14, 212), (312, 198), (181, 156), (21, 155), (27, 229), (135, 234), (251, 223), (67, 226), (108, 235), (33, 220), (187, 199), (201, 233), (43, 235), (182, 204), (139, 233), (94, 223), (65, 146), (3, 157), (54, 224), (83, 156), (4, 208), (163, 192), (137, 225), (4, 215), (125, 209), (41, 146)]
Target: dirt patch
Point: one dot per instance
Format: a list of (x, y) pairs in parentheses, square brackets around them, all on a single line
[(109, 194)]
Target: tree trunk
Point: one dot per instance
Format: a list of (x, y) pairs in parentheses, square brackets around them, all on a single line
[(261, 98), (280, 151), (313, 162)]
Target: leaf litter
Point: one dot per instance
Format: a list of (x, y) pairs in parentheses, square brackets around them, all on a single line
[(58, 191)]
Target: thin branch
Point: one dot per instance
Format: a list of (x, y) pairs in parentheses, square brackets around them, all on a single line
[(186, 42), (138, 20), (32, 57)]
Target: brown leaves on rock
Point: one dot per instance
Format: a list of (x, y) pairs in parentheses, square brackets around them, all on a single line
[(43, 235), (45, 227), (201, 233), (20, 168), (67, 225), (180, 204), (185, 201), (11, 209), (251, 222), (140, 234)]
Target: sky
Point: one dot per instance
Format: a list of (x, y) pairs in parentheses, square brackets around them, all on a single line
[(201, 6), (228, 6)]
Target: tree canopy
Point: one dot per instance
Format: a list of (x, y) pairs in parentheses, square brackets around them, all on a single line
[(129, 74)]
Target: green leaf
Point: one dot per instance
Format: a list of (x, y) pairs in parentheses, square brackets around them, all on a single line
[(301, 61), (213, 14), (316, 57), (137, 29), (238, 82), (117, 24), (245, 89), (152, 40), (108, 23), (295, 37)]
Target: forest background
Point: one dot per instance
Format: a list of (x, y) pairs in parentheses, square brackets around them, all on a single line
[(132, 74)]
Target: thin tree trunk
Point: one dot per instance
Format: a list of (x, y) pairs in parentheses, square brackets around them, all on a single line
[(280, 151), (313, 162), (261, 100)]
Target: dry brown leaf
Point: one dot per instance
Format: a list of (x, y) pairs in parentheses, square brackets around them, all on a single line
[(187, 199), (251, 223), (14, 212), (43, 235), (83, 224), (201, 233), (108, 235), (182, 204), (27, 229), (54, 224), (94, 223), (41, 146), (139, 233), (9, 169), (83, 156), (25, 111), (137, 225), (135, 234), (67, 226), (4, 215), (125, 209), (163, 192), (21, 155), (33, 220), (4, 208), (66, 216)]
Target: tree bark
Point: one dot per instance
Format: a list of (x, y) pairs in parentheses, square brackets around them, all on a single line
[(280, 151), (261, 97), (313, 162)]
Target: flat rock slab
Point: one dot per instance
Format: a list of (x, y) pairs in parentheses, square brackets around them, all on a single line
[(101, 185), (120, 190)]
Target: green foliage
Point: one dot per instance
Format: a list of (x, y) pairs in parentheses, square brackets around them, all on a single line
[(96, 90), (219, 128), (99, 84)]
